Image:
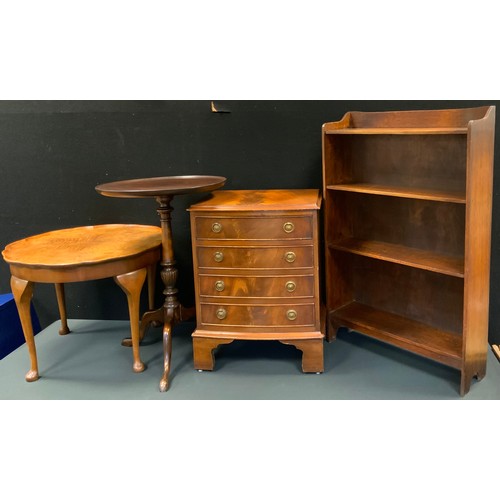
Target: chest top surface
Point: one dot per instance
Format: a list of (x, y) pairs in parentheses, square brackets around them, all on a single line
[(272, 199)]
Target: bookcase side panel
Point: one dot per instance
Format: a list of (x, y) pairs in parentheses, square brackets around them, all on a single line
[(478, 246)]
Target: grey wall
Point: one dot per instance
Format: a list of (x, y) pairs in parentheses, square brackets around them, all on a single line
[(54, 153)]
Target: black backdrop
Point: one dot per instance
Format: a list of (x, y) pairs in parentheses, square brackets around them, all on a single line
[(54, 153)]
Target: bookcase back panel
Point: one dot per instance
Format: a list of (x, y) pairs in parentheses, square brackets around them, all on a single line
[(431, 298), (416, 161), (422, 224)]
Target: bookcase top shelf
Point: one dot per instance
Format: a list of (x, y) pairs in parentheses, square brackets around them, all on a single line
[(401, 192), (399, 131), (423, 122)]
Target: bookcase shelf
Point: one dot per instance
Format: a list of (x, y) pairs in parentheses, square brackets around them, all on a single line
[(439, 345), (407, 225), (400, 254), (401, 192)]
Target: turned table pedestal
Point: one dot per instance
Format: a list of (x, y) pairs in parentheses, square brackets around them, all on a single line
[(163, 189)]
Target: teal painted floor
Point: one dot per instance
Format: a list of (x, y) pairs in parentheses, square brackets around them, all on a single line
[(90, 363)]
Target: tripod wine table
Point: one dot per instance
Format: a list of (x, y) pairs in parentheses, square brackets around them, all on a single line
[(163, 189)]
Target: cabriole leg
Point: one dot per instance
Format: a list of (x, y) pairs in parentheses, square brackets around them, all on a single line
[(23, 292), (131, 284), (167, 354), (61, 303)]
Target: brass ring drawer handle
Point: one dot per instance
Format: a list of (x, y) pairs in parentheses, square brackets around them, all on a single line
[(219, 286), (218, 256), (290, 257), (291, 314), (288, 227), (216, 227), (221, 313), (290, 286)]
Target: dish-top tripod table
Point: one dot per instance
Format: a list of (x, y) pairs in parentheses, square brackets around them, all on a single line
[(163, 189)]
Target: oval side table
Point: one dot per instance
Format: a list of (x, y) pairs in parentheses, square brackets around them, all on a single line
[(126, 252), (163, 189)]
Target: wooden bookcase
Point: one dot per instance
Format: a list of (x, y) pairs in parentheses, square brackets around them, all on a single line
[(407, 219)]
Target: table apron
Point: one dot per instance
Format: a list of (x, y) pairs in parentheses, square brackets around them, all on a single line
[(85, 272)]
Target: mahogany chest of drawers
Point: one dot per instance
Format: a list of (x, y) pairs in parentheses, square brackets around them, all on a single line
[(256, 268)]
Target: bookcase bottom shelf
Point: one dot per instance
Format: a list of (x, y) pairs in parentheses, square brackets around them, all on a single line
[(439, 345)]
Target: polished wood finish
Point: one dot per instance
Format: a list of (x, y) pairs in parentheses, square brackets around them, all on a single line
[(407, 231), (312, 353), (478, 215), (400, 254), (23, 293), (232, 228), (411, 223), (161, 186), (246, 200), (151, 285), (399, 131), (163, 189), (203, 351), (364, 161), (249, 333), (82, 246), (289, 257), (253, 316), (256, 286), (256, 261), (402, 331), (124, 252), (68, 255), (61, 303), (401, 192), (131, 284)]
